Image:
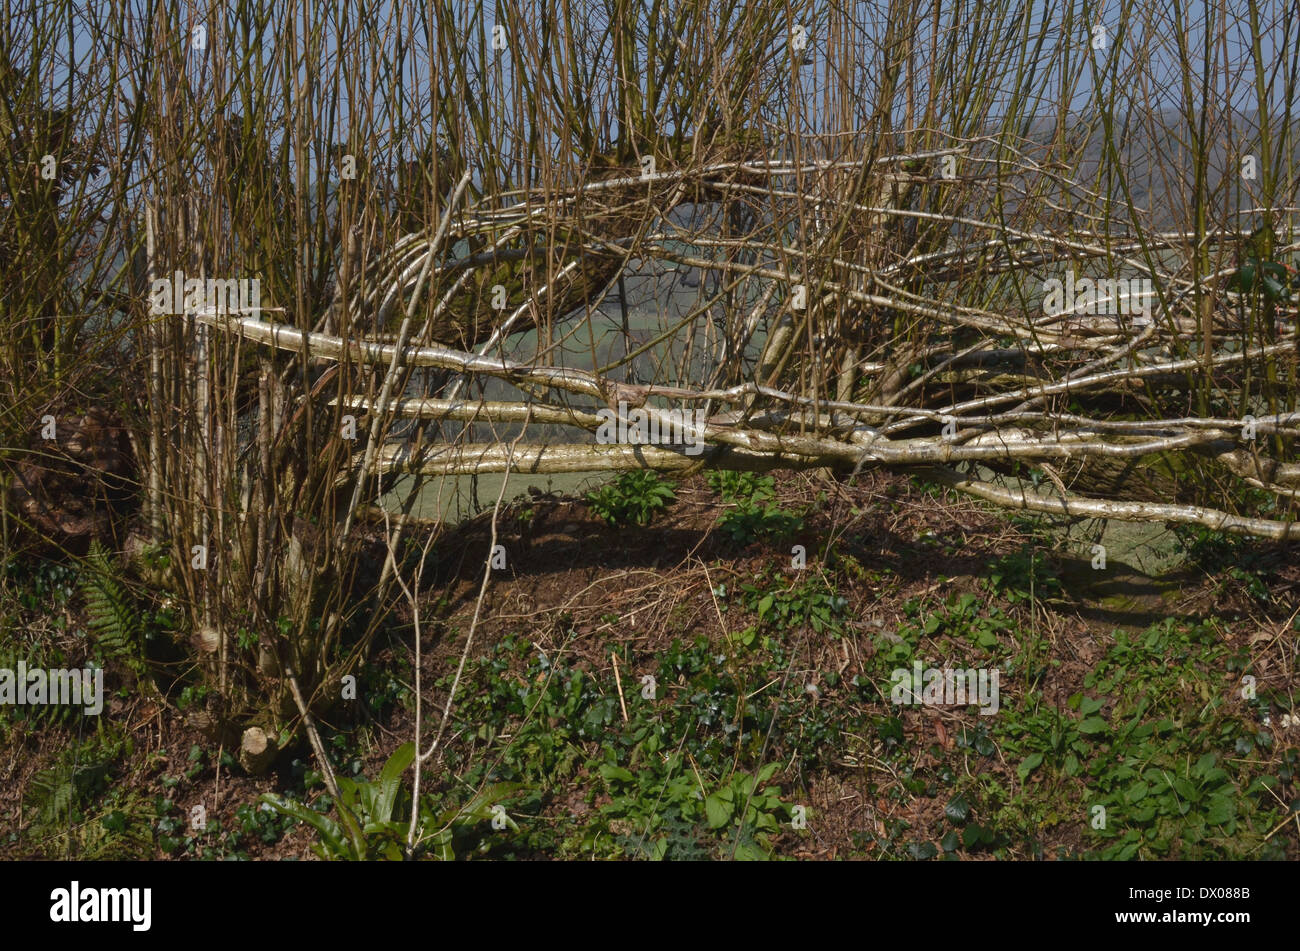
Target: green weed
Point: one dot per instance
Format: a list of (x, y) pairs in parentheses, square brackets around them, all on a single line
[(632, 499)]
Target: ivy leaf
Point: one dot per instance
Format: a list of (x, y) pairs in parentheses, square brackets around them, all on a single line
[(974, 834), (957, 809), (922, 850), (1274, 289), (1243, 279)]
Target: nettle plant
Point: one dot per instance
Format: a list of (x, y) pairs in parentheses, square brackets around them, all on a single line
[(634, 498), (751, 513)]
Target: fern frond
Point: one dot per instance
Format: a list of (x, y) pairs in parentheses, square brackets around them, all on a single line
[(45, 714), (112, 619)]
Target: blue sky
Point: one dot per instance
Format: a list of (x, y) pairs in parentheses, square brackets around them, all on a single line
[(1067, 22)]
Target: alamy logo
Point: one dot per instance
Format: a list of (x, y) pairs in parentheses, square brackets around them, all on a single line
[(1127, 296), (639, 427), (183, 295), (37, 686), (946, 686), (102, 904)]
